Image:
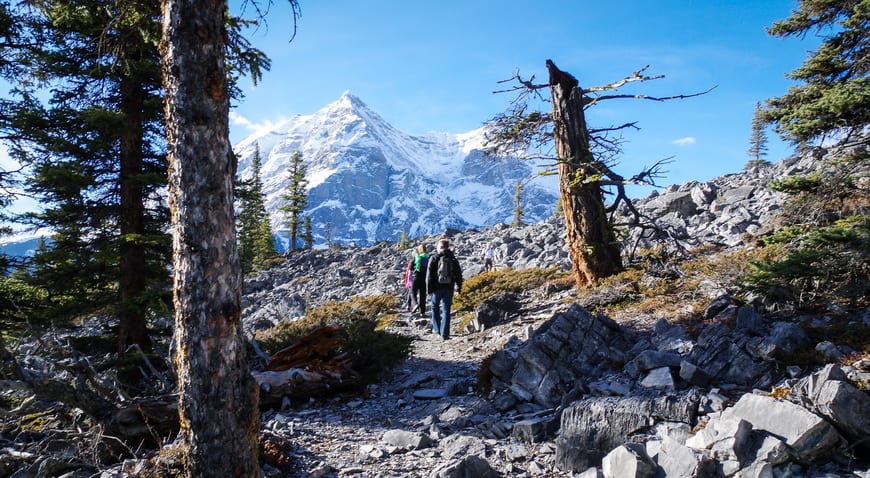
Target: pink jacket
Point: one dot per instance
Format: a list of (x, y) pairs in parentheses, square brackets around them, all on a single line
[(409, 280)]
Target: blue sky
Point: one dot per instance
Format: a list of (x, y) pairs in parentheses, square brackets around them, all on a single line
[(432, 66)]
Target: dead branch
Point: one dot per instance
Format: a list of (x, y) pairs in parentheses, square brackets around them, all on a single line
[(165, 383), (523, 84), (635, 76), (633, 125), (647, 97)]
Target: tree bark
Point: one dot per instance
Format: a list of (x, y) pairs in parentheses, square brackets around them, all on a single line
[(592, 245), (132, 327), (218, 397)]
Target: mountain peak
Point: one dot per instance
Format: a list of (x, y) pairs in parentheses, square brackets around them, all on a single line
[(368, 181), (349, 99)]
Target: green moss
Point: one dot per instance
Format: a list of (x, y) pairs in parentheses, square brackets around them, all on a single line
[(8, 401)]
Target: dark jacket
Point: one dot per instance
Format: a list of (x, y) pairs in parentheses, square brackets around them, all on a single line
[(432, 283)]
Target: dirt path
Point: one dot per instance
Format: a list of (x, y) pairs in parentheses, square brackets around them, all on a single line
[(342, 436)]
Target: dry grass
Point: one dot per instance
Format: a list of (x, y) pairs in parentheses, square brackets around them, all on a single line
[(678, 288)]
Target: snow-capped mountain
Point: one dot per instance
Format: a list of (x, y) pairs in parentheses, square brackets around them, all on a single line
[(369, 182)]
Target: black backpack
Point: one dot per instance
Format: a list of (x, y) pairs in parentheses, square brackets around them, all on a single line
[(445, 270)]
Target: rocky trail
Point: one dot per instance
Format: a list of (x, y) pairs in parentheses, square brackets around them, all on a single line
[(425, 420)]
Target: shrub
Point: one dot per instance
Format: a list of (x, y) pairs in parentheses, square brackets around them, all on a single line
[(497, 281), (364, 321), (482, 286), (819, 265)]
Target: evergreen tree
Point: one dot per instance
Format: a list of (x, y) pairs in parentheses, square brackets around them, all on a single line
[(757, 141), (296, 198), (264, 246), (307, 233), (404, 242), (831, 107), (255, 231), (327, 236), (97, 156), (518, 205), (834, 100), (87, 118)]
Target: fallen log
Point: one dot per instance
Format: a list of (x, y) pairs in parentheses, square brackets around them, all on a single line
[(312, 367)]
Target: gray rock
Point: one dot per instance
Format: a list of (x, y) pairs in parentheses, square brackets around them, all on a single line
[(788, 336), (651, 359), (694, 375), (430, 393), (679, 461), (592, 427), (468, 467), (659, 378), (462, 445), (718, 305), (733, 440), (536, 430), (496, 309), (829, 350), (406, 440), (749, 319), (591, 473), (829, 394), (808, 435), (757, 470), (571, 347), (627, 461)]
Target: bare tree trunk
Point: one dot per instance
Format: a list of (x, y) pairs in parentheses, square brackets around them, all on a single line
[(131, 281), (218, 397), (592, 245)]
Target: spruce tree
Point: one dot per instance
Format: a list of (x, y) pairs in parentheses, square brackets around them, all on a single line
[(404, 242), (255, 231), (295, 197), (757, 141), (327, 236), (307, 233), (830, 108), (832, 101), (86, 116), (518, 205), (87, 119)]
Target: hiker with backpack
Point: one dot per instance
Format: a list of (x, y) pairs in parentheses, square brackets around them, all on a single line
[(418, 285), (443, 277)]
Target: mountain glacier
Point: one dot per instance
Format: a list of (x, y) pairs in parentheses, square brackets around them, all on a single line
[(369, 182)]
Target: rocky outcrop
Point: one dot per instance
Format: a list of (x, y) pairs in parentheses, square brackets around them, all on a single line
[(612, 388), (724, 210), (593, 427)]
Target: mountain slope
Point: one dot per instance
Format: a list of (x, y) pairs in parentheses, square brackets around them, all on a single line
[(368, 181)]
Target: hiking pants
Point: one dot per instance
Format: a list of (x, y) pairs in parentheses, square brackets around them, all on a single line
[(442, 300)]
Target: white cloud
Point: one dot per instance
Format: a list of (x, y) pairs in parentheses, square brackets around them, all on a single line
[(239, 120), (684, 141)]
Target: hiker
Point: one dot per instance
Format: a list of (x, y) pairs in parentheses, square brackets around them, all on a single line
[(488, 256), (443, 276), (408, 299), (418, 286)]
